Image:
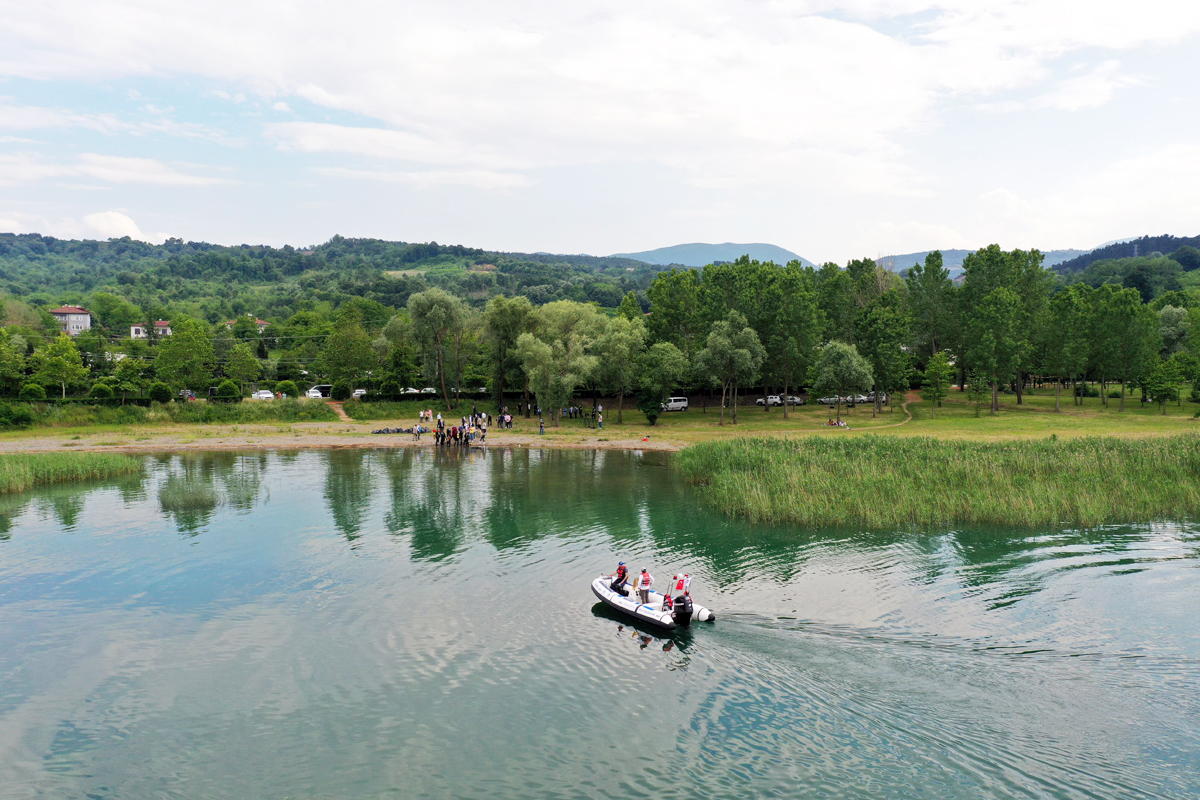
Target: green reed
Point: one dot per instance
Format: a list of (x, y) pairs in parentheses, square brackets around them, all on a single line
[(21, 471), (894, 482)]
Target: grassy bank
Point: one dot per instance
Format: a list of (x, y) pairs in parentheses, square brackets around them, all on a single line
[(899, 482), (44, 415), (19, 472)]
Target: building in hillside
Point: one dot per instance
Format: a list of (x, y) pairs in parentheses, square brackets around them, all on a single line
[(73, 319), (261, 323), (162, 327)]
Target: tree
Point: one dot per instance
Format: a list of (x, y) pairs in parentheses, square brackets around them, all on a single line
[(1163, 382), (929, 296), (185, 358), (32, 393), (558, 358), (798, 327), (114, 312), (938, 375), (840, 370), (1131, 331), (130, 375), (1067, 344), (630, 308), (12, 368), (732, 356), (883, 330), (100, 391), (660, 369), (347, 354), (243, 365), (835, 293), (996, 341), (340, 390), (1173, 328), (287, 388), (978, 391), (60, 362), (437, 319), (229, 391), (619, 350), (160, 392), (504, 319)]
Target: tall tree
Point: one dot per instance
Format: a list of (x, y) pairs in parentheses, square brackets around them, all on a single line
[(660, 369), (938, 375), (929, 297), (504, 319), (883, 331), (130, 375), (732, 356), (835, 295), (619, 350), (12, 366), (1133, 338), (630, 308), (1067, 344), (347, 355), (996, 340), (60, 362), (798, 327), (185, 358), (438, 318), (840, 370), (243, 366), (558, 357)]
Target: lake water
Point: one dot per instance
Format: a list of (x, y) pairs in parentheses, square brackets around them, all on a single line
[(354, 623)]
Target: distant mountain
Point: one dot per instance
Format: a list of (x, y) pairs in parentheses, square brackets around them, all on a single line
[(953, 259), (1128, 248), (699, 254)]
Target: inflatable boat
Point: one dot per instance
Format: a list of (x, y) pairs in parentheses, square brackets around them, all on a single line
[(651, 612)]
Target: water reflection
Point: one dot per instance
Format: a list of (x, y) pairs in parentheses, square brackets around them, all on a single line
[(348, 489), (193, 486)]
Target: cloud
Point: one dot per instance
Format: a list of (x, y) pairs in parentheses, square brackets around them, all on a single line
[(27, 118), (1092, 90), (17, 169), (478, 179), (114, 225)]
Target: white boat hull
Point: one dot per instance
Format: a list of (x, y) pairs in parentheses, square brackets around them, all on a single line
[(651, 612)]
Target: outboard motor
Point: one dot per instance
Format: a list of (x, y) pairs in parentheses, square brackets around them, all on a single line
[(683, 610)]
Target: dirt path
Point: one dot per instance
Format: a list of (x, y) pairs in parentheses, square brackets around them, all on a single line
[(336, 405), (911, 397)]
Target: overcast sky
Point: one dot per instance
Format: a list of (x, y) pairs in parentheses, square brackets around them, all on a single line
[(835, 129)]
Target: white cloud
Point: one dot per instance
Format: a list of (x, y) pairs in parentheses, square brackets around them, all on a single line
[(27, 118), (1092, 90), (478, 179), (18, 169), (114, 225), (282, 106)]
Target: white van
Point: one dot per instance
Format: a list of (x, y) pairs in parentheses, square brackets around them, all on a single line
[(675, 404)]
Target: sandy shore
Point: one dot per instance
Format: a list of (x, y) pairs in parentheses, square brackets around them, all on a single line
[(299, 436)]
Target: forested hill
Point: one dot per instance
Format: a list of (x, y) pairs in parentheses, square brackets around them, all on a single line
[(953, 259), (699, 254), (215, 282), (1134, 247)]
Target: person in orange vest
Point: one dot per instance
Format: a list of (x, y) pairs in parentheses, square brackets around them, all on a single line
[(618, 584)]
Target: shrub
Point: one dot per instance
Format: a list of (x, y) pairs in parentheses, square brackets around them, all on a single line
[(15, 416), (100, 391), (32, 393), (1084, 390), (269, 385), (160, 392), (229, 391), (340, 391), (1115, 394), (288, 388)]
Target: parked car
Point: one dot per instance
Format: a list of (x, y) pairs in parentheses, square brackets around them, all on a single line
[(411, 390), (429, 390), (263, 394), (675, 404), (871, 397), (859, 398), (358, 393), (792, 400), (829, 401), (319, 391), (771, 400)]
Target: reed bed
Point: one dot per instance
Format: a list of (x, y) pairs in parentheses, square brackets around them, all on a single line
[(71, 415), (893, 482), (22, 471)]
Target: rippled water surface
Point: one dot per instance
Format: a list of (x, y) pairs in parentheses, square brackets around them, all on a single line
[(352, 623)]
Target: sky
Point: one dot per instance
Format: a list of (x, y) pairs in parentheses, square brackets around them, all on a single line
[(835, 129)]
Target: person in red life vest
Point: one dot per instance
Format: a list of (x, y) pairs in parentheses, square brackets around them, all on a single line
[(619, 577), (645, 581), (668, 603)]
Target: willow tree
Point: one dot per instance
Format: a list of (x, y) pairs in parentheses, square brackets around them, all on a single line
[(437, 319), (558, 356)]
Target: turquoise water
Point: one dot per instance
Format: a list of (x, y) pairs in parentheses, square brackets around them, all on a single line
[(354, 623)]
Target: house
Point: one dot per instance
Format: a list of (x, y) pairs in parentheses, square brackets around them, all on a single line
[(73, 319), (162, 327), (261, 323)]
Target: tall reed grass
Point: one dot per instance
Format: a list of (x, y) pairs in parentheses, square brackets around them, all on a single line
[(894, 482), (71, 415), (21, 471)]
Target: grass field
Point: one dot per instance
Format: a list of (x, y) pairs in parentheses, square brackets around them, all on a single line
[(892, 482), (19, 472)]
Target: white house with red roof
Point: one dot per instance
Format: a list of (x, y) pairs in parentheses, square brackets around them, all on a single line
[(162, 327), (261, 323), (73, 319)]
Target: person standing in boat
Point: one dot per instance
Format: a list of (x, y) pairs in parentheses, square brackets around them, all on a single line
[(619, 578), (645, 581)]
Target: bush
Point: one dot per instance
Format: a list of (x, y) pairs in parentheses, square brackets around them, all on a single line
[(288, 388), (1115, 394), (229, 391), (1084, 390), (340, 391), (99, 391), (32, 393), (160, 392), (15, 416), (269, 385)]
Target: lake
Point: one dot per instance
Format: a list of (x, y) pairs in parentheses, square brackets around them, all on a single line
[(409, 623)]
